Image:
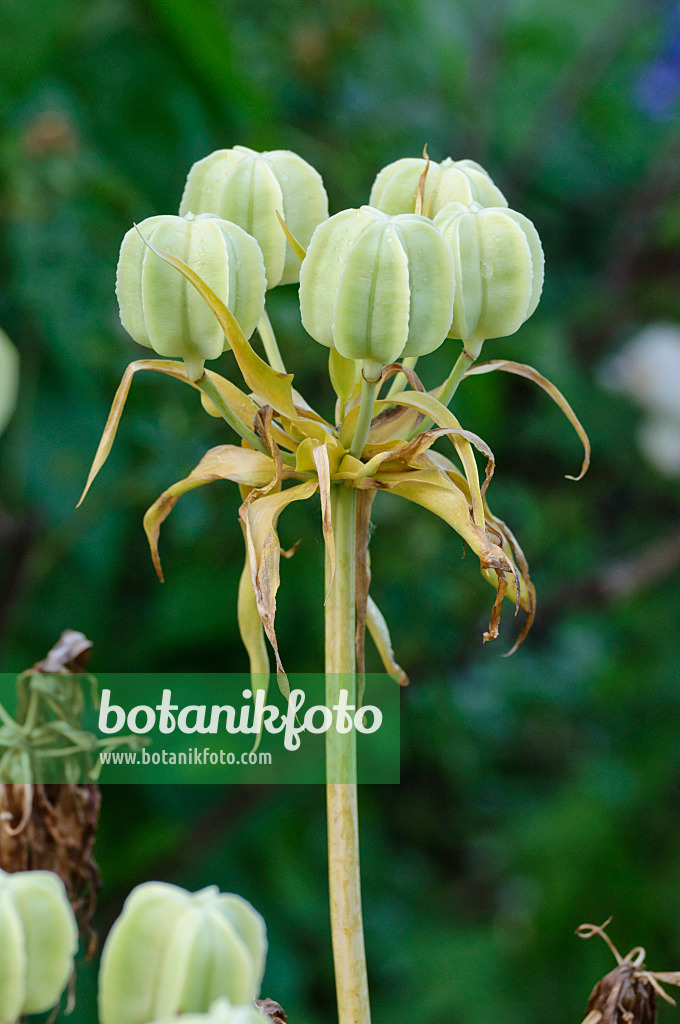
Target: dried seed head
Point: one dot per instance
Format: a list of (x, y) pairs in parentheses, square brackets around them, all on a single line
[(628, 994)]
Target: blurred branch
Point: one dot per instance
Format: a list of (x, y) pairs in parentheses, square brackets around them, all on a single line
[(616, 581)]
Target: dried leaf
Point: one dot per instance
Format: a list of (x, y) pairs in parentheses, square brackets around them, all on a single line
[(259, 517), (240, 404), (420, 190), (394, 369), (252, 635), (628, 994), (70, 654), (436, 492), (521, 370), (226, 462), (443, 417), (273, 387), (408, 452), (320, 456), (298, 249), (380, 634), (263, 428)]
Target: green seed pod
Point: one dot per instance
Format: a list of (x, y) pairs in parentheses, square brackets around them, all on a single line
[(498, 261), (376, 287), (160, 309), (221, 1012), (461, 181), (249, 188), (38, 941), (9, 379), (172, 951)]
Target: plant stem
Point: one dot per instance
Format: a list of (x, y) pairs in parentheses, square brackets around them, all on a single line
[(341, 797), (266, 332), (365, 415), (470, 351), (227, 414)]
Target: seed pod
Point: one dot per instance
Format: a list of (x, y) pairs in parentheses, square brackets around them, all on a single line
[(249, 188), (459, 181), (498, 261), (160, 309), (38, 941), (221, 1012), (172, 951), (376, 287)]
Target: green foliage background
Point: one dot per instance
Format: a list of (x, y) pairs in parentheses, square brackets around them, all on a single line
[(537, 792)]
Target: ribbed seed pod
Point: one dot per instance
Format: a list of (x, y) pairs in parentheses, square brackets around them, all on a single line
[(221, 1012), (461, 181), (172, 951), (498, 261), (38, 941), (160, 309), (376, 287), (248, 188)]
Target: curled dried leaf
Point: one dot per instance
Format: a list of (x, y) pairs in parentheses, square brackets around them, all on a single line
[(628, 994), (522, 370), (443, 417), (433, 490), (380, 634), (241, 405), (323, 470), (226, 462), (259, 517)]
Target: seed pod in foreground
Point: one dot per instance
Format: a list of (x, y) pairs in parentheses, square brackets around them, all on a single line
[(460, 181), (172, 951), (222, 1012), (38, 941), (160, 309), (498, 261), (376, 287), (248, 188)]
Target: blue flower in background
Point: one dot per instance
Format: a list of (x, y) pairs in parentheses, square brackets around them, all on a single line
[(658, 86)]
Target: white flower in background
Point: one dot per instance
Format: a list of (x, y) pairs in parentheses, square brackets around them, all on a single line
[(647, 370)]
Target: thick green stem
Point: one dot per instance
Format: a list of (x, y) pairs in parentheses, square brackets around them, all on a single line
[(363, 426), (227, 414), (341, 796), (266, 332), (471, 350)]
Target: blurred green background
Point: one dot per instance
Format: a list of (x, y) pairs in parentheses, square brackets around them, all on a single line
[(537, 792)]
